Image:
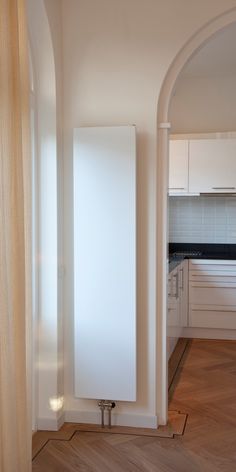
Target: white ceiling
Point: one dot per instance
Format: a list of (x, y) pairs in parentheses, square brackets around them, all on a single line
[(217, 57)]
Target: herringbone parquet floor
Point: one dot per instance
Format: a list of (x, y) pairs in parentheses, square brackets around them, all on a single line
[(204, 388)]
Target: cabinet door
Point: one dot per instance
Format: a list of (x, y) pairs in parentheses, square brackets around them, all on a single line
[(174, 329), (178, 166), (212, 165), (212, 294)]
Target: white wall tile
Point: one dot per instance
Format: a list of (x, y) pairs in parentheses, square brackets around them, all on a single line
[(202, 219)]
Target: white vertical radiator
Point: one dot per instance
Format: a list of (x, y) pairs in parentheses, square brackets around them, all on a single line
[(105, 262)]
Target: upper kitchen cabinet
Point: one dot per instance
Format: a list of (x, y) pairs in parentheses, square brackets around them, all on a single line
[(178, 167), (212, 165)]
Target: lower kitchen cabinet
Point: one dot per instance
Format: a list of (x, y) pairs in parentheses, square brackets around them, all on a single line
[(212, 294), (177, 304), (184, 283)]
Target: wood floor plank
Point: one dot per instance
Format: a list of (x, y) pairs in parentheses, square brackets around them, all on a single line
[(175, 426), (204, 388)]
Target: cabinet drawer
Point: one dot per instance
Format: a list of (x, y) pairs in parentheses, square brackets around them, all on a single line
[(217, 277), (207, 266), (212, 319), (212, 294), (173, 317)]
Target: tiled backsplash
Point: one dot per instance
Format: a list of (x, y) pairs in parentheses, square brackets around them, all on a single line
[(202, 219)]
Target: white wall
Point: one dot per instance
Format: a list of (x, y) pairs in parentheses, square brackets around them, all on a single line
[(115, 57), (53, 9), (49, 363), (202, 219), (204, 104), (45, 170)]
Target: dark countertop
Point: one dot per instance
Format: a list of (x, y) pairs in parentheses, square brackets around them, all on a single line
[(174, 262), (199, 251)]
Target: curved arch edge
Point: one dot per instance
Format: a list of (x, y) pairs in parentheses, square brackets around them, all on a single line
[(196, 41)]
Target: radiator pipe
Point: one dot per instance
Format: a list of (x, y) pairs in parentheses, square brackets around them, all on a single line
[(106, 405), (102, 408)]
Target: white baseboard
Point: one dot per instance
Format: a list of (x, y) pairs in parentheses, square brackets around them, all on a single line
[(209, 333), (50, 424), (118, 419), (60, 420), (93, 417)]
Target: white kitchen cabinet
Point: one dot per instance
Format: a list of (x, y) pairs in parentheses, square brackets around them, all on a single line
[(174, 299), (178, 167), (173, 313), (212, 165), (177, 304), (212, 294)]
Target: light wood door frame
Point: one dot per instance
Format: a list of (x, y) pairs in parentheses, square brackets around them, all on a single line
[(196, 42)]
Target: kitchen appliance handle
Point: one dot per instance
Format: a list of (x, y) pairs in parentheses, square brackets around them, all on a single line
[(169, 287), (182, 279), (177, 286), (223, 188)]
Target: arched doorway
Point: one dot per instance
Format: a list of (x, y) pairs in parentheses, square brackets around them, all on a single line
[(196, 42), (46, 332)]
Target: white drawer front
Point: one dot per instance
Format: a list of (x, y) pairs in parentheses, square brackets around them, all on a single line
[(209, 265), (221, 275), (212, 319), (212, 294), (173, 318)]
